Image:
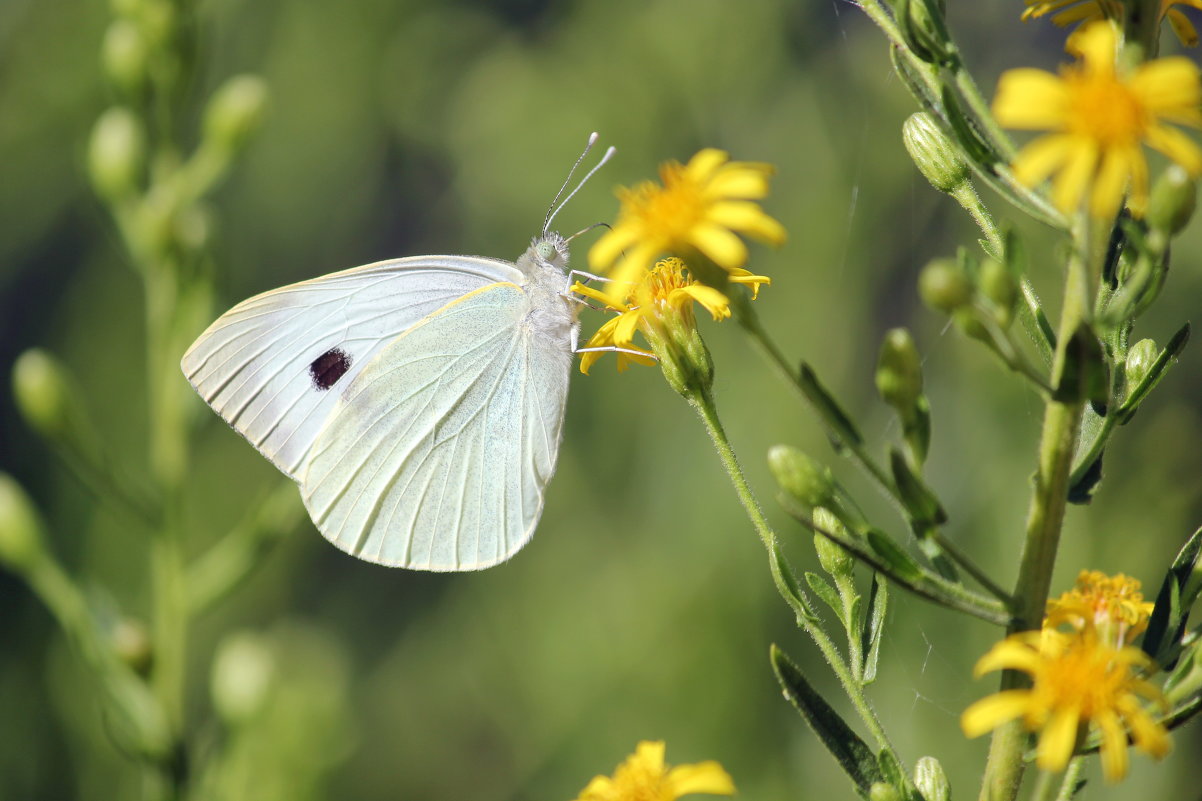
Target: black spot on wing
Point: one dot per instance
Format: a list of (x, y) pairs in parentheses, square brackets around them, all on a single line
[(330, 366)]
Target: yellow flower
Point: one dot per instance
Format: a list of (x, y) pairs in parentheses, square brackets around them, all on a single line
[(701, 206), (1077, 680), (1099, 117), (664, 296), (1112, 605), (1067, 12), (645, 777)]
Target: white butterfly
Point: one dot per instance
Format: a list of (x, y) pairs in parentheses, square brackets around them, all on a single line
[(417, 402)]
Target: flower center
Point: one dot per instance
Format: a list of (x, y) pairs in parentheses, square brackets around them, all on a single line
[(1088, 677), (671, 210), (1105, 109)]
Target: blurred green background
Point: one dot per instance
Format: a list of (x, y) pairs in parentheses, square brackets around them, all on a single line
[(643, 607)]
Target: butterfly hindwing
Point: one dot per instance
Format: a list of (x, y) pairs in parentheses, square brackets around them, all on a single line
[(275, 365), (439, 451)]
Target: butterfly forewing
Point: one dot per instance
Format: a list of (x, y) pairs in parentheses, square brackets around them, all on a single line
[(274, 366), (438, 453)]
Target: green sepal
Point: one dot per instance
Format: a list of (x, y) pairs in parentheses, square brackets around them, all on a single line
[(836, 420), (1162, 638), (1138, 393), (920, 502), (851, 752), (895, 775), (874, 627), (1085, 374), (823, 589)]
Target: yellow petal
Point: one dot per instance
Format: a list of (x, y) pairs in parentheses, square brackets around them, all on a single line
[(742, 215), (1031, 99), (723, 248), (994, 710), (1057, 739), (606, 250), (704, 777), (1168, 85), (1118, 164), (732, 182), (623, 276), (1013, 653), (651, 754), (1114, 745), (592, 293), (1073, 179), (1096, 44), (713, 301), (626, 327), (1041, 158), (701, 167), (601, 788), (1183, 28), (1177, 146), (1150, 736)]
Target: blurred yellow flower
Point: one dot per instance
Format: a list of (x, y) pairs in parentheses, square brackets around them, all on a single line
[(1077, 680), (701, 206), (645, 777), (1099, 118), (1112, 605), (1068, 12), (663, 296)]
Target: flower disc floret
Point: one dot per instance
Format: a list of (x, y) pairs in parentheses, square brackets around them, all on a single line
[(1112, 605), (1100, 118)]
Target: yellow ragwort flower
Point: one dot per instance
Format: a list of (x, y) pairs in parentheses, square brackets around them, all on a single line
[(1077, 681), (1100, 117), (1069, 12), (1112, 605), (645, 777), (701, 206), (665, 291)]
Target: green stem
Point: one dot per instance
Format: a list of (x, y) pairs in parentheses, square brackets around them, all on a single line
[(703, 402), (1045, 519)]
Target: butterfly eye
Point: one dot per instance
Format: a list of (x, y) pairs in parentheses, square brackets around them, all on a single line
[(546, 251)]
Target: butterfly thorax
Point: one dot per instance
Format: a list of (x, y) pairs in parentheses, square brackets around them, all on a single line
[(552, 312)]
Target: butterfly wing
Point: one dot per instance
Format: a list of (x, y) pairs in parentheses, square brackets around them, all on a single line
[(439, 451), (275, 365)]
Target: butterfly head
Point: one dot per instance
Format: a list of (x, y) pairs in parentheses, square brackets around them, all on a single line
[(550, 250)]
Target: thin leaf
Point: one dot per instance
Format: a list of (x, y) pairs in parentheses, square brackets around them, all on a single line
[(1171, 612), (851, 752), (874, 627), (827, 593)]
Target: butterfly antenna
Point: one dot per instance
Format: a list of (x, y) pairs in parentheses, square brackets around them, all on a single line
[(592, 140), (555, 209)]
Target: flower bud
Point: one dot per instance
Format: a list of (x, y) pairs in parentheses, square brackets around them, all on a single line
[(43, 393), (966, 320), (880, 791), (234, 111), (1139, 361), (131, 643), (116, 153), (800, 477), (21, 530), (930, 780), (999, 286), (123, 54), (243, 672), (1172, 201), (899, 371), (833, 557), (944, 286), (936, 156)]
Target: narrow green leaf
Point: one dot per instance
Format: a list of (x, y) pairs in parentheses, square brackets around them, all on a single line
[(800, 602), (967, 133), (893, 556), (874, 626), (920, 502), (851, 752), (1171, 613), (1085, 374), (832, 414), (827, 593)]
